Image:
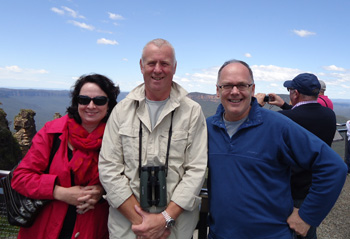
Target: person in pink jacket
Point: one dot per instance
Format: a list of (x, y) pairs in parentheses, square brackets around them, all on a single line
[(76, 208), (322, 98)]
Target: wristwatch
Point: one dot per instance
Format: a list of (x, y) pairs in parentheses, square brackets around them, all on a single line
[(169, 221)]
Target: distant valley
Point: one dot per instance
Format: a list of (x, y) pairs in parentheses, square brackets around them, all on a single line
[(48, 102)]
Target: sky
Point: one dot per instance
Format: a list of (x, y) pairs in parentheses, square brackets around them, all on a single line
[(48, 44)]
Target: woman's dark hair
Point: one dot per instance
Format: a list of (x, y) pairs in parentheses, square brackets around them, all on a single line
[(104, 83)]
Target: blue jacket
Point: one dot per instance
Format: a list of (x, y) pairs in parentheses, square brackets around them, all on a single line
[(249, 175)]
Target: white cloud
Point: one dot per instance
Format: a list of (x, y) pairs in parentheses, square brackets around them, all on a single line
[(345, 86), (303, 33), (268, 78), (333, 68), (41, 71), (72, 13), (82, 25), (184, 80), (105, 41), (66, 10), (125, 59), (13, 68), (206, 76), (114, 16), (58, 11), (271, 73), (248, 55), (16, 69), (17, 77)]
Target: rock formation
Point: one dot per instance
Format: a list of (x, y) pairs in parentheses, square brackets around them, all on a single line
[(57, 115), (24, 125)]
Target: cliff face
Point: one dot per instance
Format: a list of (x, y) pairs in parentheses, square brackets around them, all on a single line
[(31, 92), (203, 97)]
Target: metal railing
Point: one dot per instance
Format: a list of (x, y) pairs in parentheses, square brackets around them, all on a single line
[(9, 232), (343, 132)]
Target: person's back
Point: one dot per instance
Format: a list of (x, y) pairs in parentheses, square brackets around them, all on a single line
[(320, 121), (322, 98), (325, 101)]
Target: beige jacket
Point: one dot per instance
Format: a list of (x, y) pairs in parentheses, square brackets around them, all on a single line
[(119, 157)]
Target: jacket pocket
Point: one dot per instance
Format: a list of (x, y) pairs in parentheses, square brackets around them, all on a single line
[(130, 142), (178, 144)]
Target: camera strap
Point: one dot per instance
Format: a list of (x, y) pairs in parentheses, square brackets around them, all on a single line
[(168, 146)]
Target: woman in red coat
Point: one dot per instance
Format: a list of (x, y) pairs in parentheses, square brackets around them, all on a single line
[(76, 209)]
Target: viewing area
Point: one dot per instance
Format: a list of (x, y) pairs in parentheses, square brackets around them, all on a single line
[(8, 231)]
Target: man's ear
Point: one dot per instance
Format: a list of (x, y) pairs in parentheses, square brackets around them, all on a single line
[(217, 92), (141, 66), (296, 92)]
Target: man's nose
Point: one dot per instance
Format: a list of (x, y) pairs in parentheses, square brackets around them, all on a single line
[(158, 68)]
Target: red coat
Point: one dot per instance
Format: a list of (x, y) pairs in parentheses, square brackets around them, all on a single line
[(29, 180)]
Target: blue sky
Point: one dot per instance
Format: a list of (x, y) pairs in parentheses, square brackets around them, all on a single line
[(47, 44)]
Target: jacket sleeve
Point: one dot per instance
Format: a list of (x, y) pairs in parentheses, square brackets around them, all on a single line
[(328, 173), (195, 163), (111, 163), (29, 178), (286, 106)]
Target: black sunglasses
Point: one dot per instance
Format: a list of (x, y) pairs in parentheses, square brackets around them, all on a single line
[(98, 100)]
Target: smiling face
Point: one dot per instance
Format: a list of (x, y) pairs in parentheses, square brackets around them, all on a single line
[(235, 102), (91, 114), (158, 67)]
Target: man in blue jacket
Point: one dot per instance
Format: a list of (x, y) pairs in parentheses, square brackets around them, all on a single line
[(251, 152)]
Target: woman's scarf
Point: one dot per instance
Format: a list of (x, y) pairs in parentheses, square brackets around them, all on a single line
[(84, 162)]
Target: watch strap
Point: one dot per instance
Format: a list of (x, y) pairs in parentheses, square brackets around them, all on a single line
[(169, 220)]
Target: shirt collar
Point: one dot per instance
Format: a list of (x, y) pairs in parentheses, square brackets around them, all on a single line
[(304, 103)]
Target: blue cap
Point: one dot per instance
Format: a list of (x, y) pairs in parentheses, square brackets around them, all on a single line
[(306, 84)]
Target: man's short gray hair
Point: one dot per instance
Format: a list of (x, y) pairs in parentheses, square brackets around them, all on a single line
[(159, 42), (236, 61)]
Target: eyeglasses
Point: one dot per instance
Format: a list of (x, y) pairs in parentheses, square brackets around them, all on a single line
[(240, 87), (98, 100), (290, 89)]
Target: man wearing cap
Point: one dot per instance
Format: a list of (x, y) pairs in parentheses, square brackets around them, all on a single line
[(322, 98), (319, 120)]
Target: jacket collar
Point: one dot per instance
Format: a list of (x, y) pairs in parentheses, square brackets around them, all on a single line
[(57, 125), (177, 93)]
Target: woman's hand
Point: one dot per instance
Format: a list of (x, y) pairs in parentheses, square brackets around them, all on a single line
[(92, 194), (84, 198), (68, 195)]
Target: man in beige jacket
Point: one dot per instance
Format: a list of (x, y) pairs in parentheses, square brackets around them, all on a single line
[(155, 126)]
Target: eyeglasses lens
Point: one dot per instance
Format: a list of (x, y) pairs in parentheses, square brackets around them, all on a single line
[(98, 100)]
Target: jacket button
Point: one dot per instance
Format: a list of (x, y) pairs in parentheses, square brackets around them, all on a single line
[(77, 234)]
